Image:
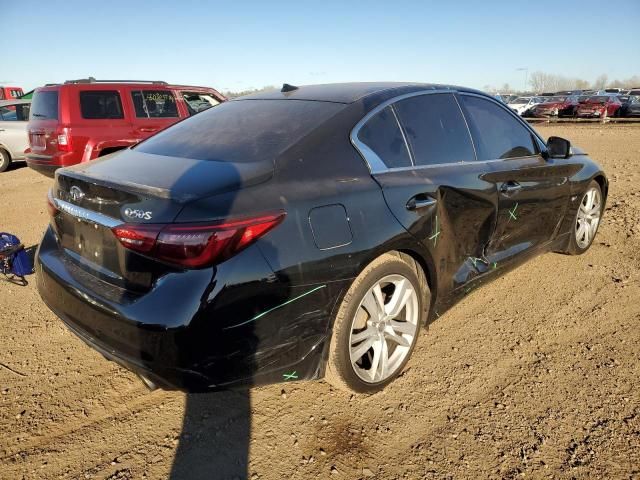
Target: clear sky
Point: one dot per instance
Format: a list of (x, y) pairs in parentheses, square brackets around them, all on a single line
[(242, 44)]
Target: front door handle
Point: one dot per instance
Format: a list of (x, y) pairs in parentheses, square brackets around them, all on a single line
[(510, 188), (420, 201), (148, 129)]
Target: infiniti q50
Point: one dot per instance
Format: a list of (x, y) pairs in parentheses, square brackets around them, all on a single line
[(306, 233)]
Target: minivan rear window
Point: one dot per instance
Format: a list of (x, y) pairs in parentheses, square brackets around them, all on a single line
[(241, 131), (44, 105)]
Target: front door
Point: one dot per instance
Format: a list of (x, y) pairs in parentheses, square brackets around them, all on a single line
[(532, 191)]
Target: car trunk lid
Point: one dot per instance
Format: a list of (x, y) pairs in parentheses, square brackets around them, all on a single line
[(133, 188)]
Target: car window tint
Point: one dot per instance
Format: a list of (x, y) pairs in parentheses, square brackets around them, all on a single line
[(383, 136), (45, 105), (197, 102), (495, 132), (435, 129), (154, 103), (100, 104), (241, 131)]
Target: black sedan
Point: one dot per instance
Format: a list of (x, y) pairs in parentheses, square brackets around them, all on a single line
[(306, 233)]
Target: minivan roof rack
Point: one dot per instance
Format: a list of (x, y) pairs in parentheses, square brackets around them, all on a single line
[(93, 80)]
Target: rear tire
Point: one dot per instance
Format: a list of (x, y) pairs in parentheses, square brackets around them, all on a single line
[(377, 325), (5, 160)]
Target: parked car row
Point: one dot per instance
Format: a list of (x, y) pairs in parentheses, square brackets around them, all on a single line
[(585, 105)]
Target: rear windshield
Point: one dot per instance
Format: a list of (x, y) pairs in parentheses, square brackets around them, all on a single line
[(45, 105), (241, 131)]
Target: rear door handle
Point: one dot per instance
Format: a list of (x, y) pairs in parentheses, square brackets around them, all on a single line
[(510, 187), (420, 201), (148, 129)]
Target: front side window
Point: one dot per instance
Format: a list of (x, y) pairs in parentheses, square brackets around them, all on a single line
[(154, 103), (100, 104), (197, 102), (496, 133), (435, 129)]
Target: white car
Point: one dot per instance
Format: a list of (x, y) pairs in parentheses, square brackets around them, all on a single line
[(522, 105), (14, 138)]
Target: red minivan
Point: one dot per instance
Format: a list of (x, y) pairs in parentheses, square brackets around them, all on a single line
[(81, 120)]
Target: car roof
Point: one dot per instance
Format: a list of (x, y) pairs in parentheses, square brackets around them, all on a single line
[(15, 101), (349, 92)]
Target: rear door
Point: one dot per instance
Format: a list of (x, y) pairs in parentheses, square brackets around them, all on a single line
[(421, 154), (100, 120), (154, 110), (532, 191)]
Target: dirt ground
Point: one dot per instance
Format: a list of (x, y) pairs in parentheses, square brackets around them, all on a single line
[(535, 375)]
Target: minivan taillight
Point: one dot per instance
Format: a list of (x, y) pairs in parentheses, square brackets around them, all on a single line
[(195, 245)]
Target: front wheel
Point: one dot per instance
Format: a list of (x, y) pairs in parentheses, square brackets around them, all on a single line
[(377, 325), (587, 219)]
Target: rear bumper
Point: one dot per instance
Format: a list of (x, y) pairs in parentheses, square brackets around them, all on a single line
[(43, 168), (188, 335), (48, 164)]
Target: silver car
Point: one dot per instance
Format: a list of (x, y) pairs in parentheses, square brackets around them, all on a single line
[(14, 139)]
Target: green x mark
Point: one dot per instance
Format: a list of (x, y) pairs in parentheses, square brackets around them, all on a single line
[(475, 261), (290, 376), (512, 212), (495, 265), (436, 233)]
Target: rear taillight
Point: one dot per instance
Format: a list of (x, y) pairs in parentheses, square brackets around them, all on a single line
[(64, 140), (195, 245)]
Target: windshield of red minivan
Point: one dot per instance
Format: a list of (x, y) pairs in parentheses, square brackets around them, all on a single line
[(241, 130), (44, 106)]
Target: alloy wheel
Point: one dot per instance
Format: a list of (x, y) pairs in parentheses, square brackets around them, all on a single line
[(384, 328), (588, 217)]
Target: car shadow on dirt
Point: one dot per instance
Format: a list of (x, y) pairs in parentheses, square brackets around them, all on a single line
[(214, 442)]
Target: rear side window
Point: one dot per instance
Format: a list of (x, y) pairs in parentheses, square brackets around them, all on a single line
[(19, 113), (154, 103), (435, 129), (100, 104), (383, 136), (241, 131), (197, 102), (45, 105), (8, 113), (496, 133)]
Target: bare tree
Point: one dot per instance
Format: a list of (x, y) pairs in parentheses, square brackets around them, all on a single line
[(600, 82)]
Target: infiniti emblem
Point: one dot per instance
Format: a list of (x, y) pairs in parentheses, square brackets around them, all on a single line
[(76, 194)]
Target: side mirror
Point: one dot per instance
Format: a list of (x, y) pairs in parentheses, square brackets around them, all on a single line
[(558, 147)]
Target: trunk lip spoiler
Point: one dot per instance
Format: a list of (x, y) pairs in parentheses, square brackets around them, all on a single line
[(82, 213)]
